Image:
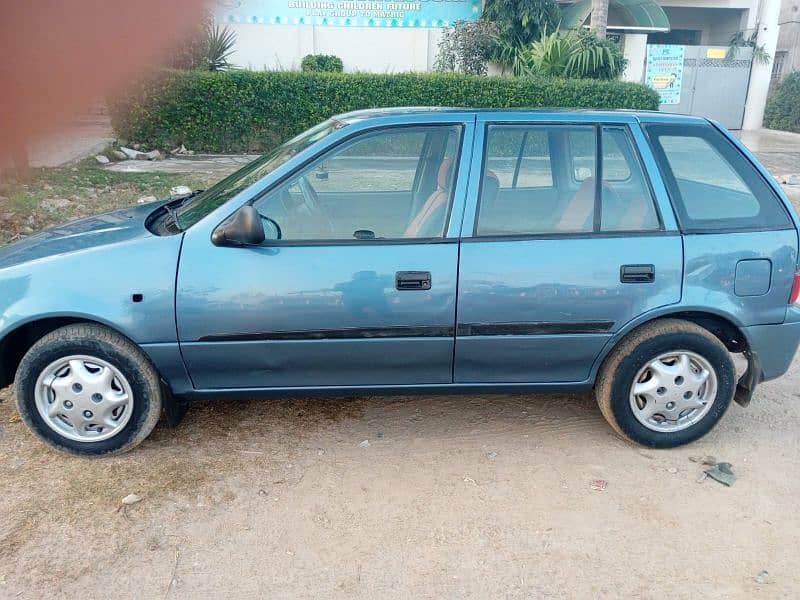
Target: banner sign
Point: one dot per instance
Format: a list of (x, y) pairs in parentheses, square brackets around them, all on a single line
[(348, 13), (664, 71)]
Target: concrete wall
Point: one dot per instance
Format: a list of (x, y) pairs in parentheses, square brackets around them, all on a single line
[(387, 50), (379, 50), (717, 25)]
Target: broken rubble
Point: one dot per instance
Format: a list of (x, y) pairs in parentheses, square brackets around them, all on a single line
[(152, 155), (723, 473), (129, 152), (179, 191), (131, 499)]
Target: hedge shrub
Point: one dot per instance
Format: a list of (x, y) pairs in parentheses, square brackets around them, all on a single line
[(236, 111), (783, 107), (322, 62)]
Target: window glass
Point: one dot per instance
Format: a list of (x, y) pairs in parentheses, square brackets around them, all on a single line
[(582, 152), (519, 157), (382, 163), (627, 204), (616, 165), (389, 184), (538, 179), (713, 186), (559, 171), (502, 150), (533, 167), (217, 195)]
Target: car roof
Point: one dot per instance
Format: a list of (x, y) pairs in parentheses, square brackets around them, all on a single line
[(538, 113)]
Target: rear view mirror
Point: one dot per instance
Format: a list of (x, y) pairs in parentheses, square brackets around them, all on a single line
[(243, 228)]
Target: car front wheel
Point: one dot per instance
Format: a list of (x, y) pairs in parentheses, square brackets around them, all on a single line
[(85, 389), (667, 384)]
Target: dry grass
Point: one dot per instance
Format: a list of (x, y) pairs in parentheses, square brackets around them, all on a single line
[(52, 196)]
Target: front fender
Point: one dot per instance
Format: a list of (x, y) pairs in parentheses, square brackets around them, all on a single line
[(128, 286)]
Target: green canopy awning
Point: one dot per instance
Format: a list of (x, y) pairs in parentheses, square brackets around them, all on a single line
[(640, 14)]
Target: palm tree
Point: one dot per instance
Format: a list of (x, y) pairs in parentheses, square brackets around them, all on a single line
[(599, 20)]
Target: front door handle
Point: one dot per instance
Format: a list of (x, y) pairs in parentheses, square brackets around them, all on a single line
[(637, 273), (413, 280)]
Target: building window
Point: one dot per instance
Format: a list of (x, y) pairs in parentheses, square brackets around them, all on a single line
[(777, 67)]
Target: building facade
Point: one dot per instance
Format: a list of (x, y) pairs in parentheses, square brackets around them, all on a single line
[(787, 54), (387, 36)]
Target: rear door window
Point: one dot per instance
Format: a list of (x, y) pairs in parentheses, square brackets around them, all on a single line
[(543, 180), (712, 185), (627, 204)]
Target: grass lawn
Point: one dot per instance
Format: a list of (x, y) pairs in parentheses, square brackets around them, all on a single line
[(52, 196)]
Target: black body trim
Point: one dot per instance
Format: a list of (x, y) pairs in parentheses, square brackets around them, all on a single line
[(464, 329), (348, 333), (534, 328)]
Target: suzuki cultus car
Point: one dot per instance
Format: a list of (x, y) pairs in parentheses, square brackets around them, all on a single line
[(420, 251)]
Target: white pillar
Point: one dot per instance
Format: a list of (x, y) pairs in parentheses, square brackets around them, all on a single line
[(635, 51), (761, 73)]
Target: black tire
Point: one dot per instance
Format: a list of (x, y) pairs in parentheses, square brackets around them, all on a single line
[(634, 352), (104, 343)]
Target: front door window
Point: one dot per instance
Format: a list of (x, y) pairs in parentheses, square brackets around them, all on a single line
[(395, 183)]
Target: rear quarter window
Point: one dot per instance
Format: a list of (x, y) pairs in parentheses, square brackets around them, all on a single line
[(713, 186)]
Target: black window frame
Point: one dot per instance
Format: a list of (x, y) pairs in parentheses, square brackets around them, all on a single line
[(596, 223), (724, 147), (460, 126)]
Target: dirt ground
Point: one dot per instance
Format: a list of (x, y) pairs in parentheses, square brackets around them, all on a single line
[(453, 497), (477, 497)]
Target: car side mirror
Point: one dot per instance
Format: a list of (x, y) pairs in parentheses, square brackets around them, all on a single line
[(243, 228)]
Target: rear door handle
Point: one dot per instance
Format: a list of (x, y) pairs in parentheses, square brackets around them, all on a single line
[(413, 280), (637, 273)]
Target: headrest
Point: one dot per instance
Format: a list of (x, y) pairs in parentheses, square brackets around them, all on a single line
[(443, 178)]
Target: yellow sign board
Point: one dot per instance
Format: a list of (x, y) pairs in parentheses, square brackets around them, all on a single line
[(716, 53)]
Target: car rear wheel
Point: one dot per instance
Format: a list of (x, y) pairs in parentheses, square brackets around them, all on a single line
[(85, 389), (667, 384)]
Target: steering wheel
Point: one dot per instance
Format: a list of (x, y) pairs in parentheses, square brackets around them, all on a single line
[(311, 200)]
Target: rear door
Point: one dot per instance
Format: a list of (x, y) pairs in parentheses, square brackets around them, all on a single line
[(564, 242)]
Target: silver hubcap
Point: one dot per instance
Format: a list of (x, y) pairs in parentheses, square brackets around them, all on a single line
[(673, 391), (84, 398)]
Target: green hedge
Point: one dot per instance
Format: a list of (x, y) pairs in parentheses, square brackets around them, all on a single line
[(236, 111), (328, 63), (783, 108)]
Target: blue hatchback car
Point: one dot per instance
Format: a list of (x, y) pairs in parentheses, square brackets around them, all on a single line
[(420, 250)]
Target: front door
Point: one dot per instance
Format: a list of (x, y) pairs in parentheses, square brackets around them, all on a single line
[(359, 290), (566, 247)]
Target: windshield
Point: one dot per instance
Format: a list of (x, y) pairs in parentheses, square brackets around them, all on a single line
[(206, 202)]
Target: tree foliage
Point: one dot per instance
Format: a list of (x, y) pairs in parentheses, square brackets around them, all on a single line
[(519, 23), (783, 107), (740, 39), (327, 63), (575, 54), (208, 47), (467, 47)]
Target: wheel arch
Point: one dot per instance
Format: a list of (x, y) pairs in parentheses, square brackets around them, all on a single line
[(723, 326), (16, 342)]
